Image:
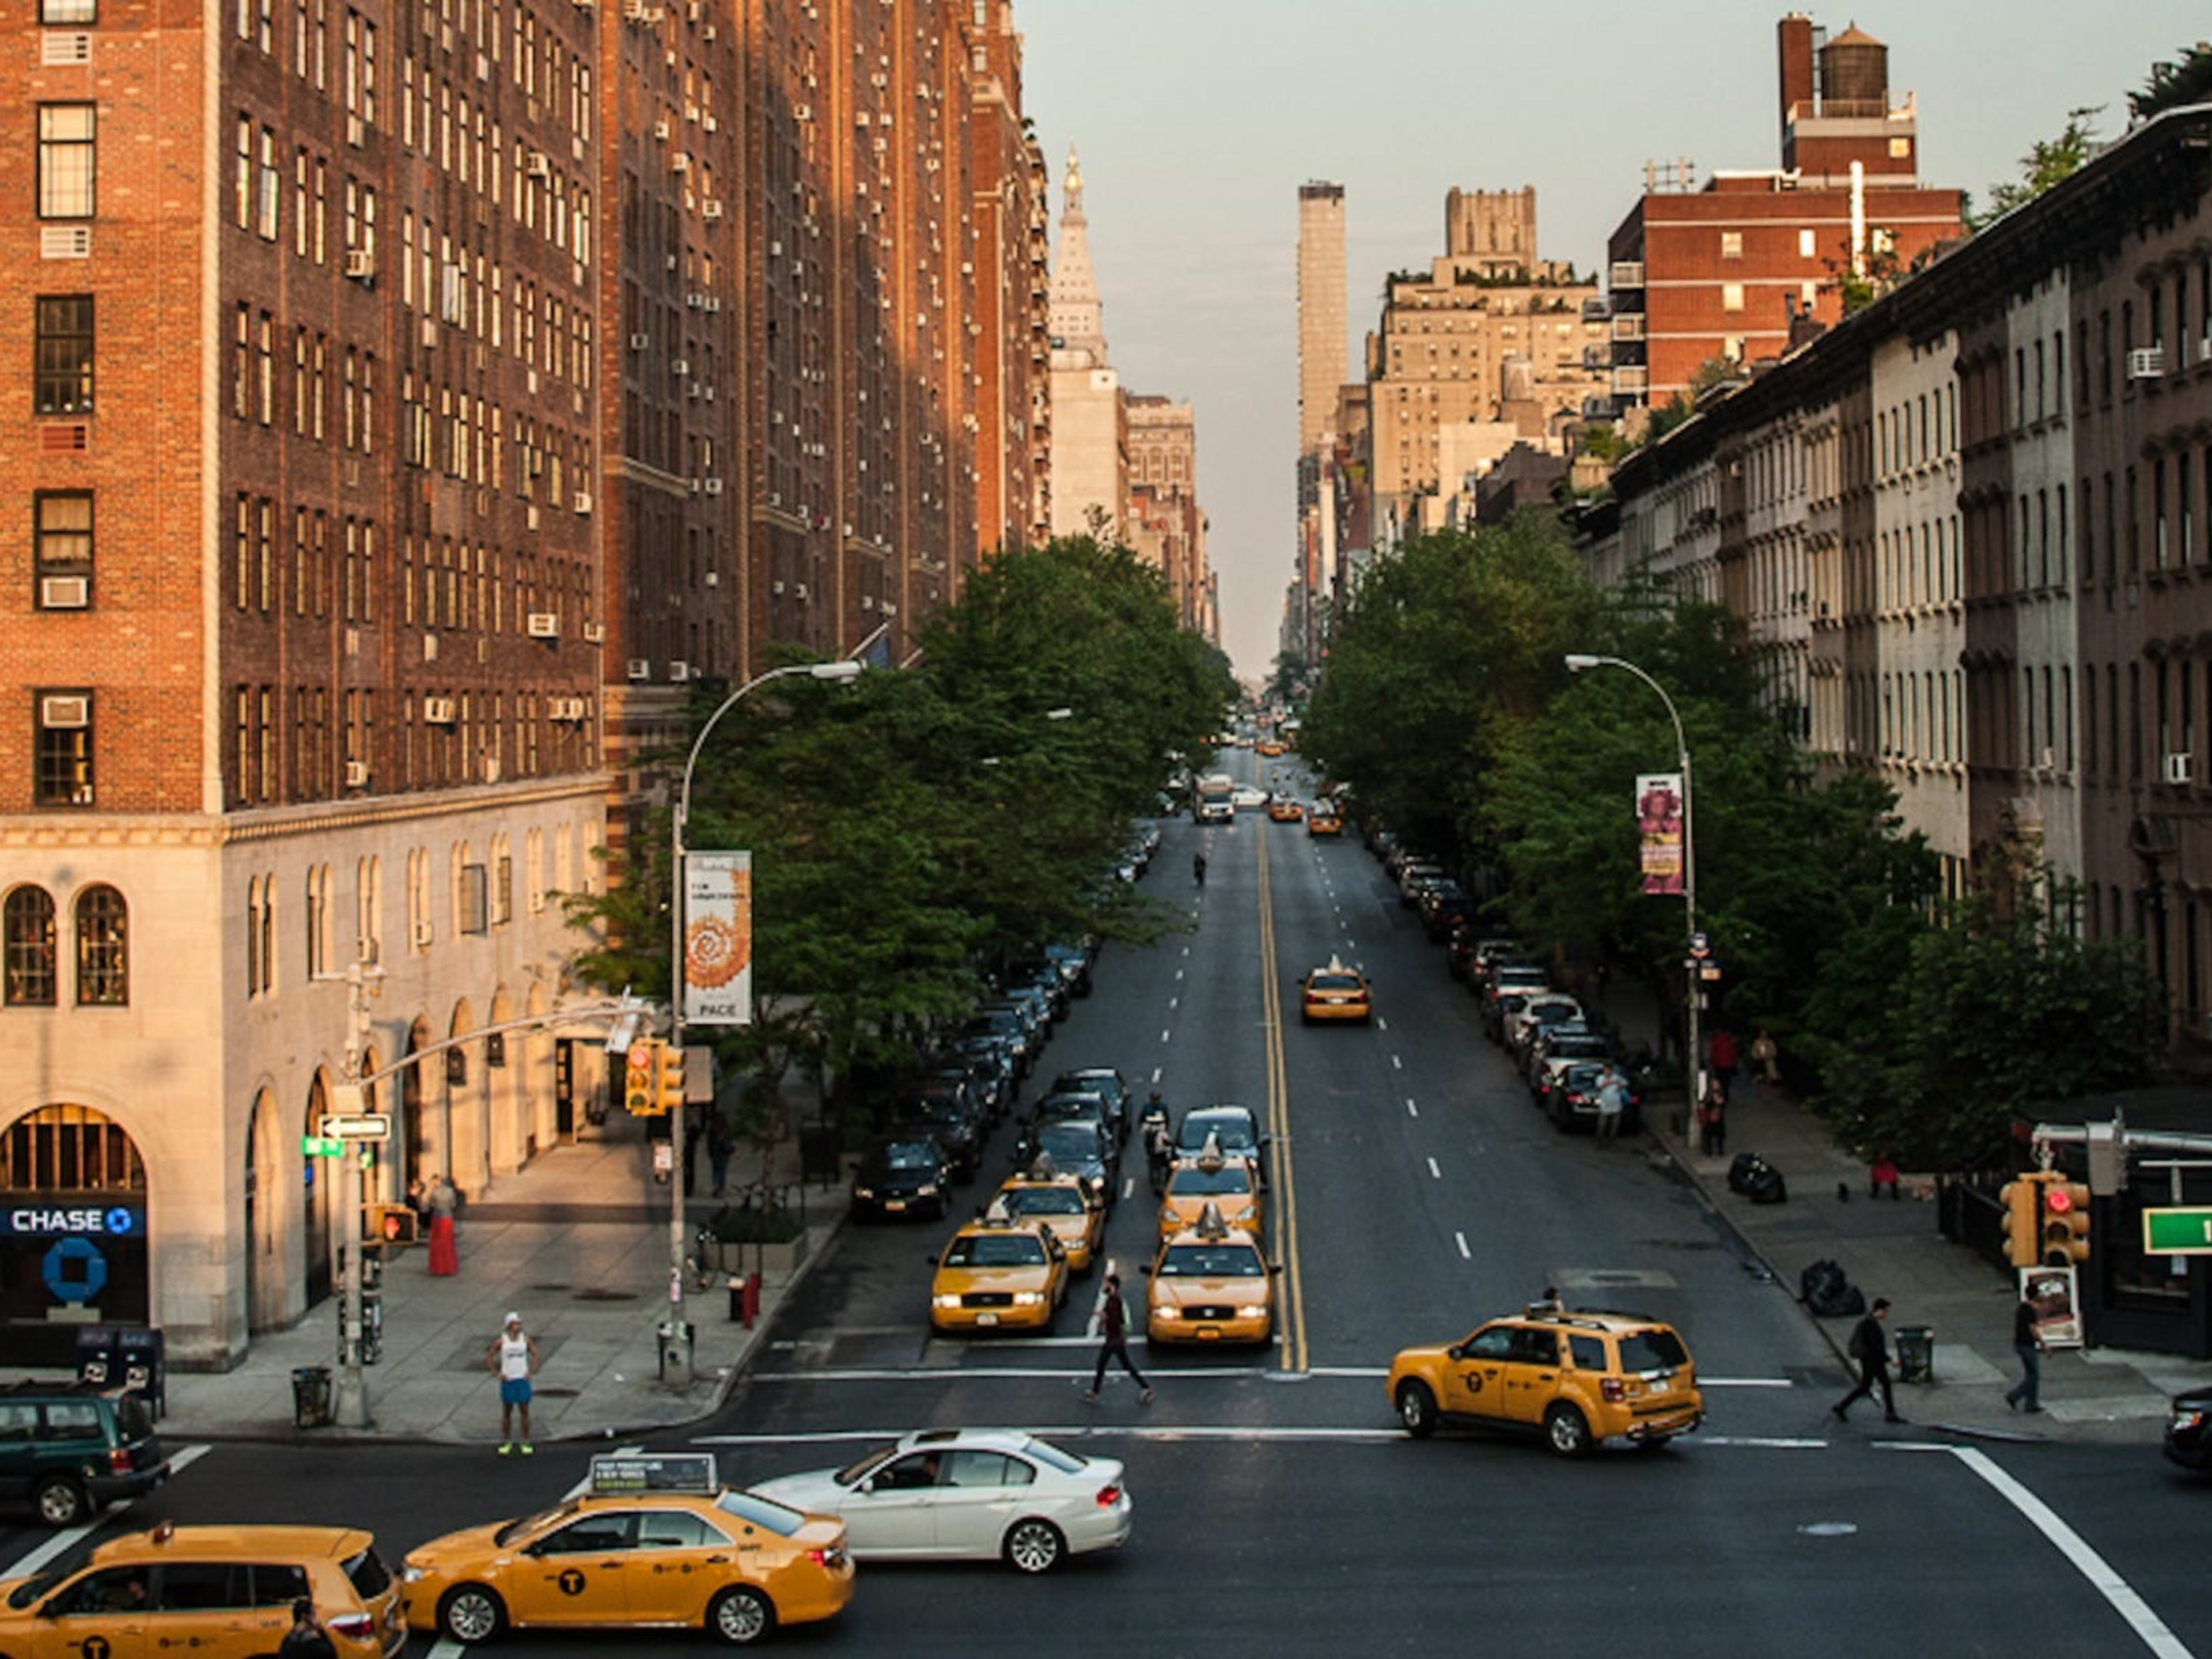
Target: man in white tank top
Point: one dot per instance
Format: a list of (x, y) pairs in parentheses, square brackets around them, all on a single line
[(512, 1358)]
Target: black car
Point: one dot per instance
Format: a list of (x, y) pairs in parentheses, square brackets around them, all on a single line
[(1074, 964), (2189, 1430), (1078, 1146), (943, 1114), (1573, 1103), (1007, 1028), (1103, 1081), (988, 1078), (1443, 905), (71, 1447), (1044, 977), (902, 1175)]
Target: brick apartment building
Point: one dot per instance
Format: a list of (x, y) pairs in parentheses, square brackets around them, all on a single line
[(1718, 272), (421, 400)]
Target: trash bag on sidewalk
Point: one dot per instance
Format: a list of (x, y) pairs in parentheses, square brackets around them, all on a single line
[(1827, 1292), (1756, 1179)]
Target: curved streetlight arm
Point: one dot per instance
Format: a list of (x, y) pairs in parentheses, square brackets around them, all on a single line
[(843, 669)]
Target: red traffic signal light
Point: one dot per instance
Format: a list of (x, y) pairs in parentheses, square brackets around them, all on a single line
[(2065, 1223)]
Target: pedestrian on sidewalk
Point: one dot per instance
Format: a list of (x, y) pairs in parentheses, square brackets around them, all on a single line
[(445, 1250), (1881, 1173), (721, 1142), (307, 1639), (1612, 1101), (1871, 1350), (1764, 1055), (512, 1358), (695, 1125), (1712, 1119), (1721, 1055), (1113, 1342), (2027, 1343)]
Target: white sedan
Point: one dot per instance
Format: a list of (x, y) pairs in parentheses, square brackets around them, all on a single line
[(969, 1494), (1248, 798)]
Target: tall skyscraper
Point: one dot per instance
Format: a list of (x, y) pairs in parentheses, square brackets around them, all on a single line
[(1090, 415), (1321, 355)]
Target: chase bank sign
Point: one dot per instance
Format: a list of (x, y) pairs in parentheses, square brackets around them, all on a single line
[(117, 1221)]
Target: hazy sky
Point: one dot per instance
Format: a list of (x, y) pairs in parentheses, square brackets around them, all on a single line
[(1198, 119)]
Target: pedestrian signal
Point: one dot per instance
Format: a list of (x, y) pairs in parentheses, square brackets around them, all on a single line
[(2022, 1198), (388, 1224), (2065, 1223), (668, 1094), (642, 1068)]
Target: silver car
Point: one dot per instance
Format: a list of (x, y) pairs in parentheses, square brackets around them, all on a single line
[(969, 1494)]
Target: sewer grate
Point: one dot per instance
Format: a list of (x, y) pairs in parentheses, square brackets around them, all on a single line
[(549, 1288), (594, 1293)]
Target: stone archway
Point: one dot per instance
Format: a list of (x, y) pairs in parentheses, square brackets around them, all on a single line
[(467, 1118), (536, 1105), (317, 1180), (269, 1272), (421, 1151)]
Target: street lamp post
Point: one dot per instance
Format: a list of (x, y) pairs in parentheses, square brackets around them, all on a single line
[(676, 1362), (1693, 1068)]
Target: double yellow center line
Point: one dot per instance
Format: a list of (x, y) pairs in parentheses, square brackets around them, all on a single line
[(1283, 1202)]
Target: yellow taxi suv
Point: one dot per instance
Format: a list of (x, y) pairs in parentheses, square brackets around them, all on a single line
[(1282, 810), (654, 1542), (1336, 992), (999, 1273), (1323, 819), (1576, 1379), (1074, 1209), (1231, 1185), (1269, 747), (1210, 1284), (211, 1592)]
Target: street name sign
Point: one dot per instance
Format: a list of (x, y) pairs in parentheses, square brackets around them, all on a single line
[(2178, 1232), (321, 1146), (356, 1126)]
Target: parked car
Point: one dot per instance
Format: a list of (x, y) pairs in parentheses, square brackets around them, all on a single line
[(2188, 1429), (1572, 1102), (1545, 1008), (73, 1447), (1443, 905), (943, 1114), (902, 1175), (1008, 1027), (1073, 962), (1110, 1085)]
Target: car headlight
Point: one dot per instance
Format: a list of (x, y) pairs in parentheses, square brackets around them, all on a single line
[(411, 1574), (1028, 1299), (927, 1189), (942, 1300), (1256, 1310), (864, 1192)]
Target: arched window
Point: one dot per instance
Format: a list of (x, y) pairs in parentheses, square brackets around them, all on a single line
[(253, 936), (30, 970), (268, 934), (103, 949), (318, 920)]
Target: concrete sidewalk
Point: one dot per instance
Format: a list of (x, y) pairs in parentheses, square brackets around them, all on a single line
[(1892, 1247), (577, 1242)]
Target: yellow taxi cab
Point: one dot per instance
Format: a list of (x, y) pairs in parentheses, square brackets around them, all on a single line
[(1282, 810), (1271, 748), (213, 1592), (1230, 1185), (1324, 819), (1074, 1209), (1210, 1284), (1336, 992), (1574, 1378), (654, 1541), (999, 1273)]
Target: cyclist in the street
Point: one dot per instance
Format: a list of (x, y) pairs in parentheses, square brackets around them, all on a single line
[(1198, 868)]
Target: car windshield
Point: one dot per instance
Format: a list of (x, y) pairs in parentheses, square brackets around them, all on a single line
[(1191, 1181), (1045, 1201), (909, 1155), (1334, 982), (1071, 1106), (529, 1523), (1577, 1046), (778, 1518), (932, 1110), (1069, 1143), (35, 1587), (1655, 1350), (995, 1250), (1233, 1129), (1210, 1261), (1101, 1084), (853, 1473), (1584, 1075)]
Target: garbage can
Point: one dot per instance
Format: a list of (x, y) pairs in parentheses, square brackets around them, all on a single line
[(1916, 1353), (311, 1396), (676, 1337), (96, 1360)]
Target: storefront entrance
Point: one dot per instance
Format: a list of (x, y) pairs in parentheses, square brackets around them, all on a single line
[(72, 1232)]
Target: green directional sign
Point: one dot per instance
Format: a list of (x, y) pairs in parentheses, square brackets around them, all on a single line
[(2178, 1232), (321, 1146)]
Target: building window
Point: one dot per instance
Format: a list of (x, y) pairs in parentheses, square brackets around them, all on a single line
[(1731, 245), (53, 12), (61, 530), (1731, 296), (271, 184), (62, 367), (1808, 244), (66, 170), (61, 746), (29, 926), (103, 954)]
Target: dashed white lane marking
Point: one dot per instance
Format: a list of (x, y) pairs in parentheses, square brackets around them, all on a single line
[(1163, 1034), (1172, 1003), (1411, 1110), (1396, 1064), (1435, 1174), (1128, 1185), (1381, 1023), (68, 1538), (1465, 1253), (1178, 975), (1156, 1074), (1186, 949)]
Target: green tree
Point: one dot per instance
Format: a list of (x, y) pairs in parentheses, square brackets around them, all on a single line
[(2048, 162), (2174, 81)]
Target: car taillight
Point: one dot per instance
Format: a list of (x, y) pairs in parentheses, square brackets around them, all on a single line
[(354, 1626), (1613, 1388), (1108, 1496), (118, 1459)]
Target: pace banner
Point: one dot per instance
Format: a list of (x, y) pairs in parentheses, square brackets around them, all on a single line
[(718, 938), (1659, 827)]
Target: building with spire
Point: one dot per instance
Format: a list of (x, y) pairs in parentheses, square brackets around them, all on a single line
[(1090, 415)]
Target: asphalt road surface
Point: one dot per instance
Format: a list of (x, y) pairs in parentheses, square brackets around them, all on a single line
[(1279, 1510)]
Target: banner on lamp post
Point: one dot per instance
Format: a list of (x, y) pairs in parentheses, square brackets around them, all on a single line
[(718, 938), (1659, 828)]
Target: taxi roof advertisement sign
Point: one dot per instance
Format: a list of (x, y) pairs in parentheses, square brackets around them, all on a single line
[(718, 938), (619, 1473)]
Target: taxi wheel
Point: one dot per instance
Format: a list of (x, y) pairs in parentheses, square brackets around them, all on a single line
[(741, 1615), (469, 1614), (1417, 1409), (1567, 1430), (1034, 1546), (60, 1501)]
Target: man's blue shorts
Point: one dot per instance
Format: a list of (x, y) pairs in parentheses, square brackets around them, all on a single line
[(515, 1391)]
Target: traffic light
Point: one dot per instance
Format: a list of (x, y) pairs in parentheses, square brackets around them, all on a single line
[(640, 1073), (388, 1224), (670, 1093), (2065, 1223), (2022, 1197)]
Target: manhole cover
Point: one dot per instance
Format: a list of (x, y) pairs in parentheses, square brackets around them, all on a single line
[(545, 1393), (1828, 1529), (548, 1288), (592, 1293)]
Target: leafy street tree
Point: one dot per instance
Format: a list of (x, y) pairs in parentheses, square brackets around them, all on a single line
[(2187, 79), (2048, 162)]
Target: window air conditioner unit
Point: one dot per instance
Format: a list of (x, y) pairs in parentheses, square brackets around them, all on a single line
[(538, 165), (640, 669), (356, 131), (798, 590), (714, 486), (695, 299), (639, 342), (64, 592), (565, 708), (361, 263), (582, 504), (2180, 767), (679, 162), (680, 367), (357, 774), (776, 587), (594, 633), (544, 625), (661, 129), (711, 207), (2146, 362), (64, 714), (678, 672), (438, 711)]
